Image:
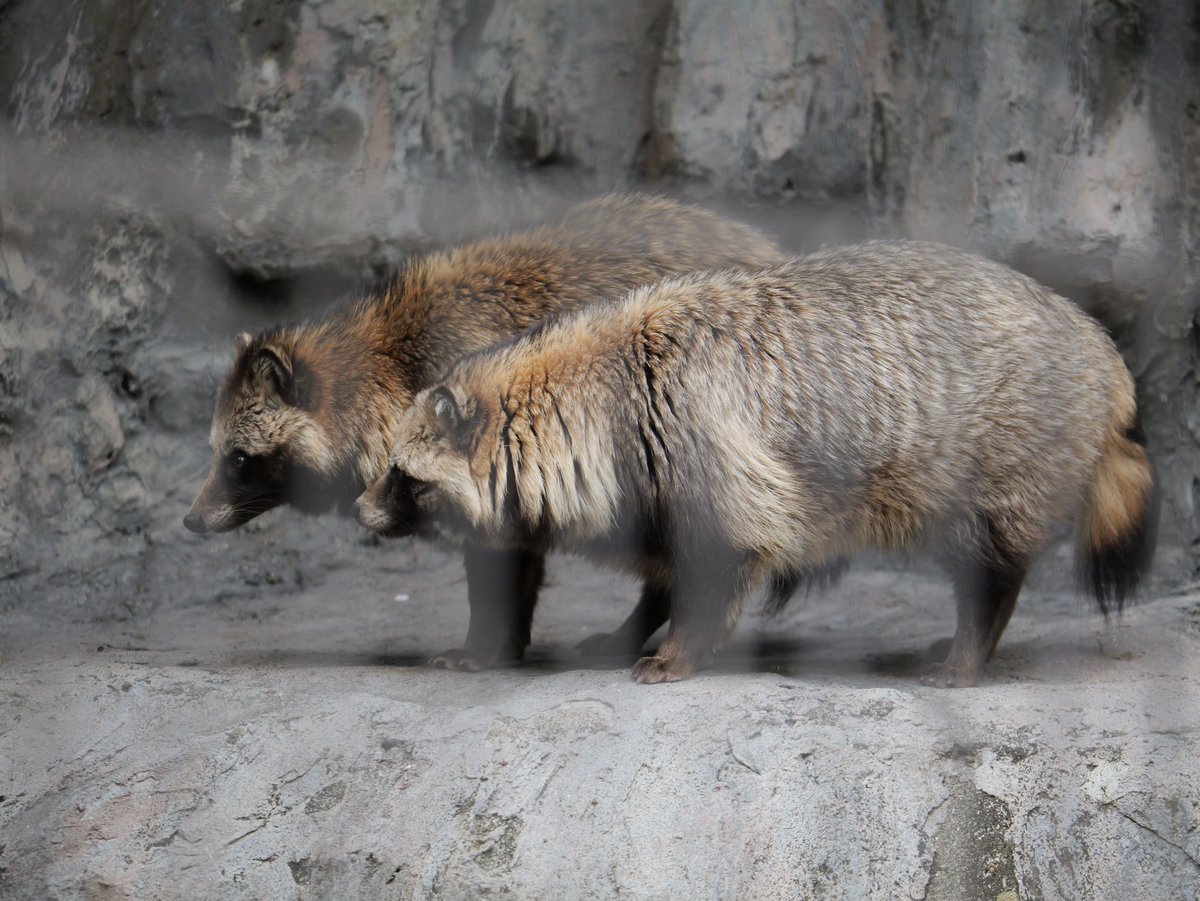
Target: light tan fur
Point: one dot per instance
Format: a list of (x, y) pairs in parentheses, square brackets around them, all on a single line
[(1119, 492)]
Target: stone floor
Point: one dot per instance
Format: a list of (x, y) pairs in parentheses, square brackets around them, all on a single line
[(293, 744)]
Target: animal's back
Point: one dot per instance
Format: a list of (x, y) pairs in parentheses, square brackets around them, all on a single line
[(861, 394), (455, 301)]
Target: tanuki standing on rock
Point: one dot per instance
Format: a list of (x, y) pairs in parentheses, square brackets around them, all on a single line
[(306, 414), (714, 431)]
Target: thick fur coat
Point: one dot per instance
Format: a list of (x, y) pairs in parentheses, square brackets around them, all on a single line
[(714, 431), (306, 414)]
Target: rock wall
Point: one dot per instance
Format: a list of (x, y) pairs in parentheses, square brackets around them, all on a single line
[(173, 172)]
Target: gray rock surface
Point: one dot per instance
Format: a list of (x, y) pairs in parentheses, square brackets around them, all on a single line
[(296, 747)]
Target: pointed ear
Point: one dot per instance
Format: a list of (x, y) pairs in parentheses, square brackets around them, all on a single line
[(468, 408), (241, 342), (445, 408), (454, 410), (274, 370)]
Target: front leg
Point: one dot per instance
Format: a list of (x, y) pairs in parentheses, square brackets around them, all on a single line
[(706, 601), (502, 590)]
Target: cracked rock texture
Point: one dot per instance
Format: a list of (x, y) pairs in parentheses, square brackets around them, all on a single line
[(171, 173), (300, 748)]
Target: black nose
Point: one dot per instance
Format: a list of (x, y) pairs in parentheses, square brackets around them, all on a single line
[(195, 523)]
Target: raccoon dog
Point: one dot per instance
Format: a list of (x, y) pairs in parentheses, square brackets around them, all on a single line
[(717, 430), (306, 413)]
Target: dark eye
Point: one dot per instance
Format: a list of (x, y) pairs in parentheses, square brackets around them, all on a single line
[(237, 459)]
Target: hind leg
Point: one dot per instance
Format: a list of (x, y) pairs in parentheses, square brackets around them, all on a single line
[(651, 612), (705, 603), (502, 589), (987, 595)]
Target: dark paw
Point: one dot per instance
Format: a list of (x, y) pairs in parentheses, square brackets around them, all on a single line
[(466, 660), (460, 659), (607, 644), (945, 675), (652, 670)]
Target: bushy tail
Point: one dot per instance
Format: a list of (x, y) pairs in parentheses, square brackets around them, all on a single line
[(1119, 525)]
